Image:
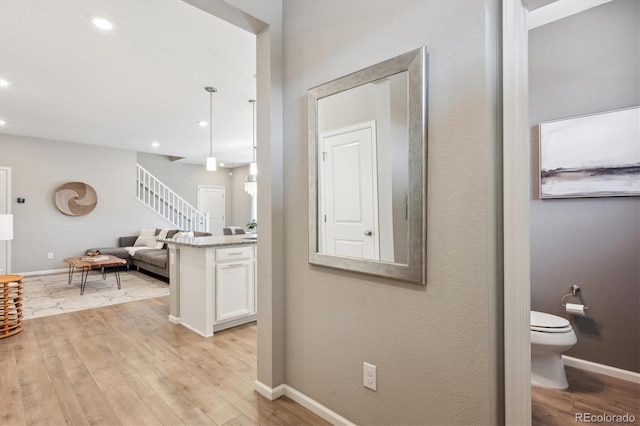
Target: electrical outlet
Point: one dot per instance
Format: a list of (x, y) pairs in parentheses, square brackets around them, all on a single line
[(369, 376), (49, 256)]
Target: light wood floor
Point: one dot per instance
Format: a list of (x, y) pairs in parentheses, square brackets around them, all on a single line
[(127, 364), (588, 393)]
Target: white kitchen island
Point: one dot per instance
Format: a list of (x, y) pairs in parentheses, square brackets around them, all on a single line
[(212, 282)]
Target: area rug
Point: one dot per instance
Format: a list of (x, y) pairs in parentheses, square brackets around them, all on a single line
[(45, 295)]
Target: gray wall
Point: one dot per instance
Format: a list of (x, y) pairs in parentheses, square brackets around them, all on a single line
[(184, 178), (585, 64), (38, 167), (437, 348), (241, 201), (181, 177)]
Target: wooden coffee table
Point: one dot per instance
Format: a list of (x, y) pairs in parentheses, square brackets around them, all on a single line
[(102, 262)]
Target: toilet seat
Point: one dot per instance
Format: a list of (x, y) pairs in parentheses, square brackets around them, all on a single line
[(547, 323)]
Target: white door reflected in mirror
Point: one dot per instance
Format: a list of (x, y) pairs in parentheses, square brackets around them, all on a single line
[(349, 192), (363, 171)]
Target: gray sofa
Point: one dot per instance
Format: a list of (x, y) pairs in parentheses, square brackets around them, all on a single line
[(152, 260)]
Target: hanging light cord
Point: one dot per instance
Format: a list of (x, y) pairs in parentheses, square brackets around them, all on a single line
[(211, 91), (211, 123)]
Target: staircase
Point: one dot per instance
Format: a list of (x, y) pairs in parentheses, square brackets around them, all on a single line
[(158, 197)]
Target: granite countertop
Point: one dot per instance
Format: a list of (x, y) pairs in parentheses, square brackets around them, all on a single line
[(222, 241)]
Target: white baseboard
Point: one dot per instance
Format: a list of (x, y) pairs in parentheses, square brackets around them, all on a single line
[(268, 392), (302, 399), (45, 272), (235, 322), (618, 373), (315, 407), (175, 320), (195, 331)]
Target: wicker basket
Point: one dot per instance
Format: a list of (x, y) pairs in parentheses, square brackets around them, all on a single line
[(10, 305)]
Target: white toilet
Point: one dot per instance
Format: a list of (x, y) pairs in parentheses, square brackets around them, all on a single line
[(550, 337)]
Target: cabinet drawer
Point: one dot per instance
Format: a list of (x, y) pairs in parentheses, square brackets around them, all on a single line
[(232, 254)]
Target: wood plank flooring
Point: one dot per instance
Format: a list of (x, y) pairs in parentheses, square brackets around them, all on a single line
[(588, 393), (128, 365)]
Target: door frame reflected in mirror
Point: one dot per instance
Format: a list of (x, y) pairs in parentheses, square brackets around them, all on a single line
[(414, 270)]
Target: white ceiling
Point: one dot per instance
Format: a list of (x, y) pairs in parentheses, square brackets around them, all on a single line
[(141, 82)]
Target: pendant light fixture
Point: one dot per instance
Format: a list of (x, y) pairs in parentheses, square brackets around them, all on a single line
[(251, 182), (211, 160)]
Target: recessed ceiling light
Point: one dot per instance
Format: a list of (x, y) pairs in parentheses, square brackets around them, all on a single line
[(221, 164), (102, 23), (155, 144), (203, 123), (4, 83), (2, 122)]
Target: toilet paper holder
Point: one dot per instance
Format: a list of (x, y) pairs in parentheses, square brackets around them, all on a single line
[(575, 292)]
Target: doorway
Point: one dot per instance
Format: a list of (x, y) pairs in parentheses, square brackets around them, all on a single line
[(211, 202), (266, 24), (5, 208), (516, 196)]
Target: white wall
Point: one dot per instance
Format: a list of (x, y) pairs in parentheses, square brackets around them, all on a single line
[(39, 167), (437, 348)]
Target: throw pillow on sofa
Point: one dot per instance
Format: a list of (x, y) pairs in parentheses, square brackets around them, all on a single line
[(162, 235), (147, 238)]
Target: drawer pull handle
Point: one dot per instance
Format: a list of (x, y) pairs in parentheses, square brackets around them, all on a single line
[(235, 254), (234, 265)]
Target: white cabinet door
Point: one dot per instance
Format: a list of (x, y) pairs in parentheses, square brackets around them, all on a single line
[(234, 290)]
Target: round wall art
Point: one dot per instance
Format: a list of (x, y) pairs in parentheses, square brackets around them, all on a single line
[(76, 198)]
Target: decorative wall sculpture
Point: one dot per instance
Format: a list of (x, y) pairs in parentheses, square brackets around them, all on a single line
[(76, 198)]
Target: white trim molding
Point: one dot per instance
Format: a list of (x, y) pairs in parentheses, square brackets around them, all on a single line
[(516, 195), (618, 373), (267, 392), (302, 399), (45, 272), (560, 9)]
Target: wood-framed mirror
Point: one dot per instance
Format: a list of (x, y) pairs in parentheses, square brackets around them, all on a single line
[(368, 170)]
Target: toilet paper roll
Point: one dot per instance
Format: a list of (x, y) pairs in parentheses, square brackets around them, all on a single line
[(575, 309)]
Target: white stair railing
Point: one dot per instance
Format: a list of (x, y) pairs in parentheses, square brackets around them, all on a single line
[(157, 196)]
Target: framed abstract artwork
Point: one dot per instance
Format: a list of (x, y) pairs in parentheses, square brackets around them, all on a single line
[(595, 155)]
